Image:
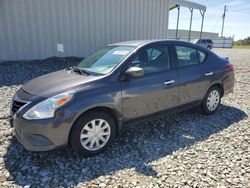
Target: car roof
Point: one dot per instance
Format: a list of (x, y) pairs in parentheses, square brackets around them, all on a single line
[(139, 43)]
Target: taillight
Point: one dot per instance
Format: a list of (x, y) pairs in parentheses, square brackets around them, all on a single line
[(230, 66)]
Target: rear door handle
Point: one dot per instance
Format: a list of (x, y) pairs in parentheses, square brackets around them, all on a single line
[(169, 82), (209, 73)]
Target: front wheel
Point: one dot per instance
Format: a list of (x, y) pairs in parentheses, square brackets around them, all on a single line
[(92, 133), (211, 101)]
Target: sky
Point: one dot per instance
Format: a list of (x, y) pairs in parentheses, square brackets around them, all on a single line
[(237, 20)]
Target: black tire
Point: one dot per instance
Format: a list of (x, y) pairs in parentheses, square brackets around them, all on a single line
[(78, 126), (204, 104)]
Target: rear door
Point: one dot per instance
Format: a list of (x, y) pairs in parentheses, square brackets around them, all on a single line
[(194, 74), (156, 91)]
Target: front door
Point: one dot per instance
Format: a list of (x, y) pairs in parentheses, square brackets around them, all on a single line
[(156, 91)]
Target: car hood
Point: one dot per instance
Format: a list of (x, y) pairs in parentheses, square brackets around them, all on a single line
[(57, 82)]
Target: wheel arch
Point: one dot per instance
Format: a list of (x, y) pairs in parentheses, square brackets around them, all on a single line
[(112, 112), (219, 86)]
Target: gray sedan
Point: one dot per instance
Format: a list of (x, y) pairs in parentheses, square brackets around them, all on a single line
[(206, 43), (86, 106)]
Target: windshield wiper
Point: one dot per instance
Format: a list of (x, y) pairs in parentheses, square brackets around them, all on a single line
[(80, 71)]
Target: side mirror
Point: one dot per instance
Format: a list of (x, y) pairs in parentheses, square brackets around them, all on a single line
[(134, 72)]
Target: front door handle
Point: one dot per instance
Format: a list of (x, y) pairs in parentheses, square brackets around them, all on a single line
[(209, 73), (169, 82)]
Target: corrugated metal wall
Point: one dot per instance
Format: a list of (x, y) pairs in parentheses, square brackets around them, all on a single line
[(31, 29)]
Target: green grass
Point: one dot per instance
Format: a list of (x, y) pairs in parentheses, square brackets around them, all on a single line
[(241, 47)]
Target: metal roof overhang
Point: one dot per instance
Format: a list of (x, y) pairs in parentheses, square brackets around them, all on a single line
[(174, 3), (191, 5)]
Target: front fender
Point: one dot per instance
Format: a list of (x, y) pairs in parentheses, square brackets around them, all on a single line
[(104, 96)]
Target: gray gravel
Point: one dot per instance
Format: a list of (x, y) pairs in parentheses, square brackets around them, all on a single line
[(184, 150)]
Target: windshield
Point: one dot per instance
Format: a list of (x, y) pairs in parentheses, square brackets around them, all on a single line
[(104, 60)]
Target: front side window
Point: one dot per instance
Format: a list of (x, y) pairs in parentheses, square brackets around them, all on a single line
[(187, 56), (151, 60), (104, 60), (153, 53)]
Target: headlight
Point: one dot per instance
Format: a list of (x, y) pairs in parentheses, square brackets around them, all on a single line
[(47, 108)]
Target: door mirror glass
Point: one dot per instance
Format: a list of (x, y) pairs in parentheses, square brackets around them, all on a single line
[(134, 72)]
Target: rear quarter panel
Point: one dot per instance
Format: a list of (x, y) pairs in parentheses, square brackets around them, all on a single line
[(219, 67)]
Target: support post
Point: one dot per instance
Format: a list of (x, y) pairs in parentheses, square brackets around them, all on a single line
[(177, 26), (202, 14), (223, 19), (190, 26)]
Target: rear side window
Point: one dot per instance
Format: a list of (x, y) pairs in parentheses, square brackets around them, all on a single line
[(189, 56), (201, 56)]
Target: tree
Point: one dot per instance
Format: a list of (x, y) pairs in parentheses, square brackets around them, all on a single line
[(243, 42)]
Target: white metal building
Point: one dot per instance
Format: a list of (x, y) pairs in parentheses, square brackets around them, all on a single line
[(35, 29), (218, 42), (183, 34)]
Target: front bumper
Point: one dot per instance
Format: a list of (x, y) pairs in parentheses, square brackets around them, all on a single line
[(45, 134)]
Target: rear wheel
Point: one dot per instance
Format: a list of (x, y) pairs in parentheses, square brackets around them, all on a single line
[(92, 133), (211, 101)]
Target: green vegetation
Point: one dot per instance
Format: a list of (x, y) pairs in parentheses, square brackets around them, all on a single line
[(243, 43), (241, 46)]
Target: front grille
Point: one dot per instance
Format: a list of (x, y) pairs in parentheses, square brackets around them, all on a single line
[(20, 99), (16, 105)]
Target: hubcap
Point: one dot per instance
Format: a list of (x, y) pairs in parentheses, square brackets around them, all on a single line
[(213, 100), (95, 134)]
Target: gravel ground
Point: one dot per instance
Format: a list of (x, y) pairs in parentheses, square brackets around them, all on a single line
[(183, 150)]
